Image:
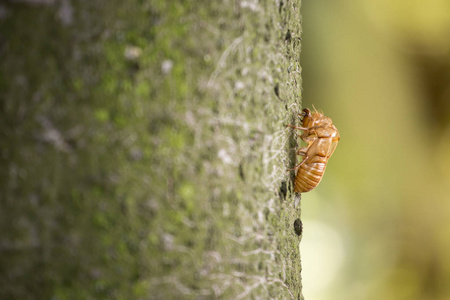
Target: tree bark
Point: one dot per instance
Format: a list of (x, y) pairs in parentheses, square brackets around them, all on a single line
[(143, 149)]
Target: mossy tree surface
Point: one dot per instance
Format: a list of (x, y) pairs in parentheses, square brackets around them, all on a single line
[(143, 149)]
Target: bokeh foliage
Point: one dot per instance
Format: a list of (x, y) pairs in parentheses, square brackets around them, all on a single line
[(381, 70), (143, 149)]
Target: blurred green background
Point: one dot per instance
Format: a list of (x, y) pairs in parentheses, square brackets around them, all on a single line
[(378, 227)]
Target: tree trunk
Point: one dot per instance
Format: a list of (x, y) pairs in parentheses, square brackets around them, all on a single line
[(143, 149)]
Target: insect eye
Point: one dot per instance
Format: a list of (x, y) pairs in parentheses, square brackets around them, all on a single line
[(305, 114)]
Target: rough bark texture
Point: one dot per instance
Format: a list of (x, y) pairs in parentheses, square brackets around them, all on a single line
[(143, 149)]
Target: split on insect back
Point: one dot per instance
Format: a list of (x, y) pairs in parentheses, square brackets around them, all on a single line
[(322, 138)]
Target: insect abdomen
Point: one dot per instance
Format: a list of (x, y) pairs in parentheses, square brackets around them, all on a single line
[(309, 176)]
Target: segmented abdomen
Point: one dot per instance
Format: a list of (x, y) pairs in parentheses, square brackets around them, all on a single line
[(309, 176)]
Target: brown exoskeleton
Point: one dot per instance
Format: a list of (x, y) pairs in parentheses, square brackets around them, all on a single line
[(322, 138)]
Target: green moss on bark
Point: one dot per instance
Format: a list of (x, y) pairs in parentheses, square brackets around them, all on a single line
[(143, 149)]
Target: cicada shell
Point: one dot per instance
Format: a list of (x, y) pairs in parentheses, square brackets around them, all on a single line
[(322, 138)]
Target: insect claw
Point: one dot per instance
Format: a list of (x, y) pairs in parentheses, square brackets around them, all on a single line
[(296, 127), (297, 166)]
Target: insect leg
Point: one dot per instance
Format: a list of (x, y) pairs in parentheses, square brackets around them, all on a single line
[(295, 127), (298, 166), (308, 137), (302, 151)]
